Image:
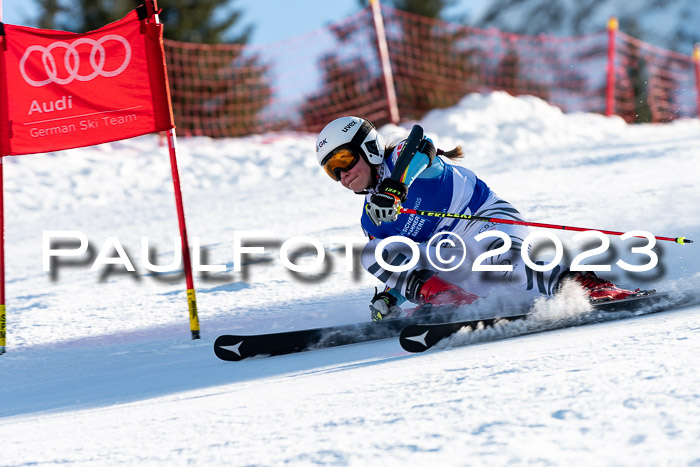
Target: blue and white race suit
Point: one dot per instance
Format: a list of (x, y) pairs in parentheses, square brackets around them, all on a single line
[(443, 187)]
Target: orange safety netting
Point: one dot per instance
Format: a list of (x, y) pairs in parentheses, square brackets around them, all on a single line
[(232, 90), (435, 63), (302, 83), (653, 82)]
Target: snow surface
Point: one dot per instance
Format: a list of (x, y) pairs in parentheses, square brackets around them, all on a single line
[(100, 369)]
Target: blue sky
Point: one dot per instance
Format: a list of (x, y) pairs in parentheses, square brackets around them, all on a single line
[(274, 20), (277, 20)]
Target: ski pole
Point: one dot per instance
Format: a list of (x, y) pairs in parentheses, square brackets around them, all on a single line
[(496, 220)]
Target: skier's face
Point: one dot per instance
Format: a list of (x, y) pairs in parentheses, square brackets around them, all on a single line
[(358, 178)]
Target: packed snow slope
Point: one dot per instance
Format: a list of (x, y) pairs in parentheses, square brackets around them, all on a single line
[(100, 370)]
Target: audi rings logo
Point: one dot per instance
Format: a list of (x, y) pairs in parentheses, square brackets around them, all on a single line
[(71, 61)]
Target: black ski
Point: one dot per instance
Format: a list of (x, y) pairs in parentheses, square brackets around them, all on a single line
[(420, 337), (238, 347)]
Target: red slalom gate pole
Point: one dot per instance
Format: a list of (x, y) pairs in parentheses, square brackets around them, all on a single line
[(496, 220), (383, 52), (152, 9), (610, 84), (2, 262), (191, 298), (696, 60), (2, 251)]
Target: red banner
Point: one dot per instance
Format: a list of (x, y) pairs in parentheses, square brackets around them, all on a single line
[(61, 90)]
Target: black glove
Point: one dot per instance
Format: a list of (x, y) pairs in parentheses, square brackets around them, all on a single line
[(384, 306), (385, 204)]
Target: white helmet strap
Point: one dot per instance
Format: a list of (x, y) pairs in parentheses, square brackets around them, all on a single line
[(361, 135)]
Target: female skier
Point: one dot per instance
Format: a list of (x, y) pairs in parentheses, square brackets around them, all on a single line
[(351, 152)]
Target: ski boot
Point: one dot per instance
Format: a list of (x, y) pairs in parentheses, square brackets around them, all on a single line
[(436, 291), (598, 288), (429, 290)]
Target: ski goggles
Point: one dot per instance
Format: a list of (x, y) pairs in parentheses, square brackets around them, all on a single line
[(339, 160)]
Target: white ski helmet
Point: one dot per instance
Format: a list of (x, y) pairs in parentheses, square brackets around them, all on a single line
[(356, 133)]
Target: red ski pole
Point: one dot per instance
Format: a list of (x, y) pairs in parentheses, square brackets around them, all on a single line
[(496, 220)]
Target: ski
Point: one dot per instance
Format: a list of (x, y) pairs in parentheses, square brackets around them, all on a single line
[(427, 326), (419, 337), (238, 347)]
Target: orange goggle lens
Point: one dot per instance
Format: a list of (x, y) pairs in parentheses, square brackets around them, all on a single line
[(341, 159)]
